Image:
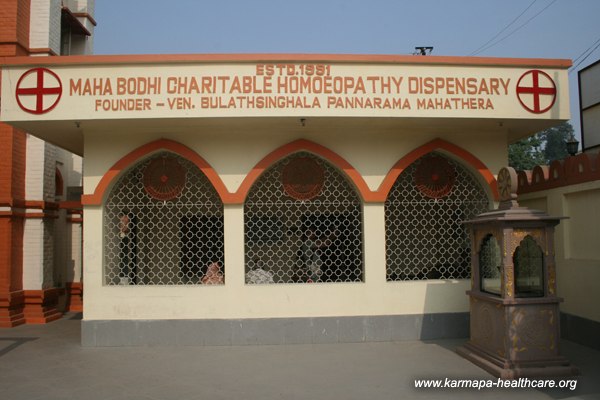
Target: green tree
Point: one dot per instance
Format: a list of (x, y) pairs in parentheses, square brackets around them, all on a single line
[(526, 153), (541, 148), (555, 139)]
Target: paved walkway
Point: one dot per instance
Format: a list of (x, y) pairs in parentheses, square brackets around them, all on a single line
[(47, 362)]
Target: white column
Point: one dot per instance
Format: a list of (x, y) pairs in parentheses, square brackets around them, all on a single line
[(234, 245), (38, 230), (374, 243), (44, 26)]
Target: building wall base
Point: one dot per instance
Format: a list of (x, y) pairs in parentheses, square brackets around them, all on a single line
[(274, 331), (580, 330)]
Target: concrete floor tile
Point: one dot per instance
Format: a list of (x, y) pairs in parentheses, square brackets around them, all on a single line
[(53, 365)]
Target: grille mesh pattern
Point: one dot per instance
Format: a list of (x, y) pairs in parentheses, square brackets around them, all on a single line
[(424, 237), (153, 242), (300, 241)]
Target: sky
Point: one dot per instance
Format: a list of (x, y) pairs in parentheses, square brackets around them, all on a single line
[(565, 29)]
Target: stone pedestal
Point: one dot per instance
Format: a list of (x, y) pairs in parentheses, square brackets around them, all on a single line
[(515, 319)]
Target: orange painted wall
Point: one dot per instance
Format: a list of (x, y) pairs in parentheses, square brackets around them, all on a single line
[(14, 27), (14, 41)]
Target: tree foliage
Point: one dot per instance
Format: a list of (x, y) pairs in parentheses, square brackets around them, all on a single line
[(541, 148)]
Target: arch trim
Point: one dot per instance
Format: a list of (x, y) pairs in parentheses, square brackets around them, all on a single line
[(436, 144), (293, 147), (134, 156), (238, 197)]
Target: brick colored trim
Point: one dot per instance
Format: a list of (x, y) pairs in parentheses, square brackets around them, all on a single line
[(59, 183), (436, 144), (70, 205), (298, 145), (291, 58), (42, 50), (11, 202), (76, 26), (11, 309), (27, 215), (40, 215), (13, 49), (85, 15), (294, 147), (14, 27), (47, 209), (41, 306), (12, 192), (13, 150), (584, 167), (74, 292), (42, 205), (162, 144)]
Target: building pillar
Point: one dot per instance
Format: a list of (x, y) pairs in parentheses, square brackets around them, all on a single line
[(40, 306), (14, 29), (41, 295), (14, 41), (12, 195), (74, 285)]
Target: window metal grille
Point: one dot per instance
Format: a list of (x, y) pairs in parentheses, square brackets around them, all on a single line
[(311, 232), (424, 235), (163, 242)]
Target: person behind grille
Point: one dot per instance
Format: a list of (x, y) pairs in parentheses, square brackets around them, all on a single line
[(127, 248), (310, 256), (213, 275), (258, 275)]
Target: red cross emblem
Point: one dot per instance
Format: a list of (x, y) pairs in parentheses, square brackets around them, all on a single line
[(38, 90), (536, 91)]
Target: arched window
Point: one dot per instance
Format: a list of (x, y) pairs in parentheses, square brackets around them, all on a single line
[(163, 225), (423, 213), (528, 260), (303, 223), (58, 183), (490, 265)]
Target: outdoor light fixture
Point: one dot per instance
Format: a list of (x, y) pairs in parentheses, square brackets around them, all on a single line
[(572, 145)]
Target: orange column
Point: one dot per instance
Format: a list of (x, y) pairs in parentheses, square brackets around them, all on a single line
[(14, 41), (12, 194), (14, 27)]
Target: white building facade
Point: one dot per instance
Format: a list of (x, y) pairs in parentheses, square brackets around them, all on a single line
[(264, 199)]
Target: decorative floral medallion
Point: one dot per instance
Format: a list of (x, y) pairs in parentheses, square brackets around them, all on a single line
[(164, 179), (303, 178), (434, 177)]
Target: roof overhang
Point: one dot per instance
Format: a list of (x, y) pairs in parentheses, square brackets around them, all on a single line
[(76, 26)]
